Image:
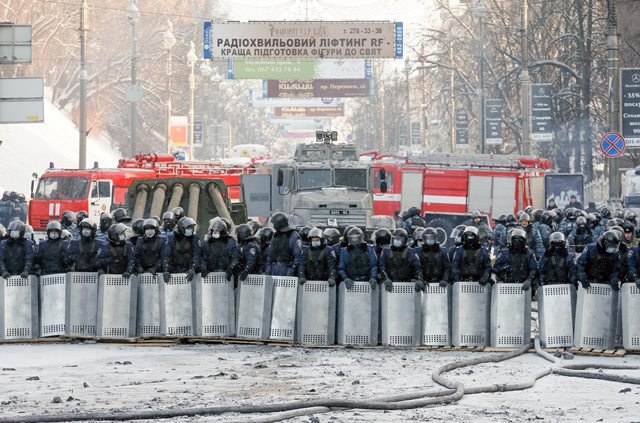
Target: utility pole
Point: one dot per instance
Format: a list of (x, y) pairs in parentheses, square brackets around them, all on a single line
[(614, 93), (525, 82), (480, 12), (82, 125)]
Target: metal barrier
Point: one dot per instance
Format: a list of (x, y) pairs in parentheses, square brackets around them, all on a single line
[(400, 315), (53, 301), (18, 307), (283, 309), (82, 304), (596, 317), (176, 305), (630, 316), (148, 320), (117, 306), (316, 313), (214, 308), (254, 307), (358, 314), (556, 311), (471, 314), (436, 315), (510, 315)]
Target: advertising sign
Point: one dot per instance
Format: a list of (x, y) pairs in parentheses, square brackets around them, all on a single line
[(197, 132), (178, 130), (559, 187), (462, 130), (256, 100), (493, 122), (416, 133), (21, 100), (318, 88), (541, 113), (630, 106), (299, 69), (305, 112), (303, 39)]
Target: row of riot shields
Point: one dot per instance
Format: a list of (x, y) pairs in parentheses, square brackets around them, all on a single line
[(278, 308)]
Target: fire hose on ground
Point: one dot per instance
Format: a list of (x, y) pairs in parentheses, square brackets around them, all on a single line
[(454, 392)]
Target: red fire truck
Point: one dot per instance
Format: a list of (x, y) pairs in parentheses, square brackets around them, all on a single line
[(448, 187), (97, 190)]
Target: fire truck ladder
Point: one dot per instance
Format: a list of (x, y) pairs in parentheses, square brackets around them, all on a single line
[(472, 160)]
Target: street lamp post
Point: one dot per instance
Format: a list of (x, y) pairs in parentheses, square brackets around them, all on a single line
[(169, 41), (192, 58), (525, 82), (407, 69), (480, 12), (206, 71), (133, 14)]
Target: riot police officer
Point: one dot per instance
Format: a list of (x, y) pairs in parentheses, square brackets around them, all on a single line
[(283, 255), (382, 239), (49, 257), (148, 250), (412, 220), (357, 261), (254, 225), (318, 260), (400, 263), (304, 234), (116, 255), (471, 260), (168, 223), (456, 238), (600, 261), (220, 251), (534, 240), (120, 216), (178, 213), (581, 235), (80, 216), (516, 263), (332, 239), (81, 254), (68, 222), (500, 231), (250, 257), (416, 238), (433, 259), (136, 231), (545, 227), (16, 252), (106, 220), (182, 250), (557, 265), (484, 232), (265, 235)]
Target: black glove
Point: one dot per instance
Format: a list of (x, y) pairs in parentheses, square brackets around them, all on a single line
[(243, 276), (585, 284), (6, 274), (484, 280), (638, 283), (419, 285), (229, 275), (191, 274), (388, 285), (373, 282), (166, 276), (153, 271), (204, 273), (348, 283), (615, 286), (100, 272), (332, 281), (526, 285), (126, 275), (24, 274), (443, 283), (302, 280)]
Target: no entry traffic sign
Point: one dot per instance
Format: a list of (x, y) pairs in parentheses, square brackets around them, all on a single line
[(612, 145)]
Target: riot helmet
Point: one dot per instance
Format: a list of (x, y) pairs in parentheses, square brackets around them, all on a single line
[(399, 238), (355, 237), (536, 215), (304, 233), (417, 235), (117, 233), (255, 226), (470, 237), (557, 241), (106, 220), (168, 221), (87, 228), (186, 227), (476, 216), (413, 211), (592, 220), (382, 237), (137, 227), (316, 238), (618, 214), (280, 222), (218, 229), (581, 222), (54, 230), (630, 216), (265, 235), (546, 218), (151, 228), (227, 222), (67, 218), (81, 215), (456, 234), (120, 216), (178, 213), (524, 218), (28, 232), (243, 232), (332, 236), (605, 212), (66, 235), (510, 220), (430, 237), (610, 242), (569, 213), (517, 239)]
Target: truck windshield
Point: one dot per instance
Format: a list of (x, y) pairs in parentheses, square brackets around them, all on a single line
[(313, 178), (62, 188), (351, 178)]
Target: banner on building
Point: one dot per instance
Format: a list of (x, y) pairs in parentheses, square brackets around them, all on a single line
[(306, 112), (305, 69), (462, 130), (541, 113), (493, 122), (318, 88)]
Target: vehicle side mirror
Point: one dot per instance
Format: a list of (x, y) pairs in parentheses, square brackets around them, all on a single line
[(383, 186), (382, 173), (33, 184), (280, 181)]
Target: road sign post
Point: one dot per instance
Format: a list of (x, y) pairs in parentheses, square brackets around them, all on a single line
[(612, 145)]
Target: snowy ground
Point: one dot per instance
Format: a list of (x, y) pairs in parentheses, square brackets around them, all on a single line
[(115, 377)]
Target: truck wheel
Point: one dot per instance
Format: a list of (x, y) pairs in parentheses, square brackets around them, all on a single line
[(443, 228)]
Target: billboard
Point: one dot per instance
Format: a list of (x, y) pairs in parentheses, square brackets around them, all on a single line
[(318, 88), (303, 39), (630, 106), (257, 100), (178, 131), (561, 186), (299, 69), (305, 112), (462, 130), (541, 113), (493, 122)]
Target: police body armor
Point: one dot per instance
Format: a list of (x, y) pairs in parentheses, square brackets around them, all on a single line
[(182, 254), (150, 252), (119, 259), (556, 269), (86, 253), (14, 255), (397, 267), (471, 264), (50, 255), (582, 239), (257, 267), (432, 265), (358, 267), (518, 268), (218, 255), (280, 251), (315, 265), (600, 269)]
